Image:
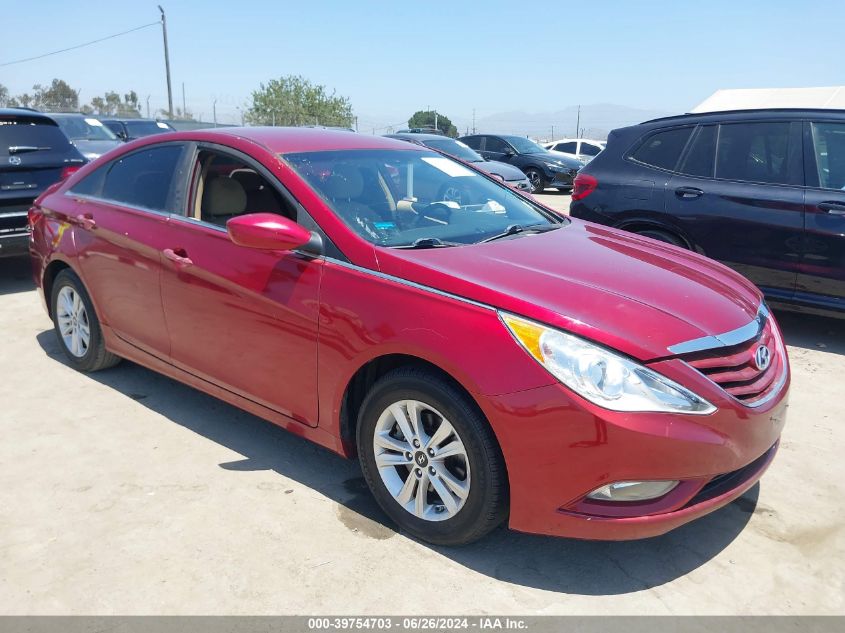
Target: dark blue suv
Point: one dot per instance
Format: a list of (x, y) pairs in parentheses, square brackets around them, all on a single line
[(762, 191)]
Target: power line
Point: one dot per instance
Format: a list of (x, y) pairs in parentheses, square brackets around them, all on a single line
[(71, 48)]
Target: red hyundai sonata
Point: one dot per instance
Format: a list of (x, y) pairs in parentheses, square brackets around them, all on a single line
[(487, 360)]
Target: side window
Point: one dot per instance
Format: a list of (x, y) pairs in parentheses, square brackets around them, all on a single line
[(92, 184), (569, 148), (495, 144), (473, 141), (829, 146), (754, 152), (663, 149), (143, 179), (588, 149), (702, 154), (228, 187)]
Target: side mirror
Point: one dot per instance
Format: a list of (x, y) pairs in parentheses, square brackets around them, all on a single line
[(508, 153), (267, 231)]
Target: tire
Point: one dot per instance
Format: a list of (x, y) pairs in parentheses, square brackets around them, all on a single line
[(535, 177), (432, 511), (73, 317), (663, 236)]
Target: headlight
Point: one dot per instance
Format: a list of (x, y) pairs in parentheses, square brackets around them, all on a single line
[(601, 376), (555, 167)]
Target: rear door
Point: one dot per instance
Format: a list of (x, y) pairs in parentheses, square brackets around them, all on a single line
[(822, 272), (120, 213), (739, 198)]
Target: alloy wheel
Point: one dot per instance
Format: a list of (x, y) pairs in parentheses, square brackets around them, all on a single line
[(73, 322), (421, 460), (536, 181)]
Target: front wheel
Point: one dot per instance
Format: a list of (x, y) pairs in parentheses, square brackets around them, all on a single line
[(430, 458), (538, 183)]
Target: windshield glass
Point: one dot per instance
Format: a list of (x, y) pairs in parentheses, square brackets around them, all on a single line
[(84, 129), (525, 145), (137, 129), (455, 148), (397, 197)]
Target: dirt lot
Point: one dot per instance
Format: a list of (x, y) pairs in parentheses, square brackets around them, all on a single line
[(125, 492)]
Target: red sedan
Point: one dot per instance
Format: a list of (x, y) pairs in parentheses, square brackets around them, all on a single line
[(487, 360)]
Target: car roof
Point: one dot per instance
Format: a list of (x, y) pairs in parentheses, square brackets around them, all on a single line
[(286, 140), (23, 112), (419, 136), (741, 115), (115, 119)]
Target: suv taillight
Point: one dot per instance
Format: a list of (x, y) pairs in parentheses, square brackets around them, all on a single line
[(70, 169), (583, 186)]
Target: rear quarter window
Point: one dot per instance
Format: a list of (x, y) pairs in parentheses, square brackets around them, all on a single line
[(662, 149)]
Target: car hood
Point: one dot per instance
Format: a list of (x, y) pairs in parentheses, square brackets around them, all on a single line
[(87, 148), (628, 292), (508, 172), (567, 159)]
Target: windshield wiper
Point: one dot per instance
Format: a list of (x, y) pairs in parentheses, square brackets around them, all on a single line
[(429, 242), (20, 149), (513, 229)]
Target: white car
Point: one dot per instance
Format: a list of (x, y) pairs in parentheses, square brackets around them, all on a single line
[(583, 149)]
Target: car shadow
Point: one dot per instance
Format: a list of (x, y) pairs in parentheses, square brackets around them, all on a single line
[(554, 564), (15, 275), (809, 331)]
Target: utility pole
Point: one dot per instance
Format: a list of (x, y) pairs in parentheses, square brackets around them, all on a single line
[(553, 133), (166, 63), (578, 122), (214, 111), (435, 119), (184, 107), (473, 120), (148, 106), (356, 123)]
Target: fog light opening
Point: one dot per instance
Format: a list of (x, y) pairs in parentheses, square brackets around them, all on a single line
[(632, 490)]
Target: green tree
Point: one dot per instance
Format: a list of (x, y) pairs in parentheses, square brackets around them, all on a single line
[(293, 100), (427, 118), (4, 96), (111, 104), (58, 96)]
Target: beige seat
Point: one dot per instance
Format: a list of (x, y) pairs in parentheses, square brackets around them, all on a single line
[(222, 199)]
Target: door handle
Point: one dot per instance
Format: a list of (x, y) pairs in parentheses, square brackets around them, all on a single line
[(833, 208), (85, 220), (688, 192), (178, 255)]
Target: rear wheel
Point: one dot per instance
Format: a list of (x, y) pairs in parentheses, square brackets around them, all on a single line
[(430, 458), (538, 183), (662, 236), (76, 325)]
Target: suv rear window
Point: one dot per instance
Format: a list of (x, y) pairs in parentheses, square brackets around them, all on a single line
[(754, 152), (30, 131), (663, 148)]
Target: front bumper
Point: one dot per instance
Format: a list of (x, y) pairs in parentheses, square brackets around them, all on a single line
[(520, 185), (563, 179), (559, 447)]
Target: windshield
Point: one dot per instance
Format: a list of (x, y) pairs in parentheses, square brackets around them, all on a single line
[(456, 149), (84, 129), (137, 129), (525, 145), (399, 197)]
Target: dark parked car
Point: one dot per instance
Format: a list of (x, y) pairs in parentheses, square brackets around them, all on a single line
[(761, 191), (508, 173), (87, 133), (34, 153), (542, 167), (130, 129)]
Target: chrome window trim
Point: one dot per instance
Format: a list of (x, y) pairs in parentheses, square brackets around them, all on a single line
[(118, 203), (406, 282), (726, 339)]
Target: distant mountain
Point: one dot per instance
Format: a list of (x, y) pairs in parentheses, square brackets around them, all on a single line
[(596, 121)]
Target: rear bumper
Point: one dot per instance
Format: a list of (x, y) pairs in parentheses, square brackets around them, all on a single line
[(14, 244), (558, 448)]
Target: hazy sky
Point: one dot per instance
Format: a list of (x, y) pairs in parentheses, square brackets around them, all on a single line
[(392, 58)]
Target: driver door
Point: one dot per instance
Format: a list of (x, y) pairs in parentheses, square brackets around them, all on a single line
[(241, 318)]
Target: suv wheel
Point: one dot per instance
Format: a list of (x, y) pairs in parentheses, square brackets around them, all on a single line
[(663, 236), (538, 183)]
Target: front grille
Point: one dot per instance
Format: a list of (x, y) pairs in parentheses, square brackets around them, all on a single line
[(735, 369), (720, 484)]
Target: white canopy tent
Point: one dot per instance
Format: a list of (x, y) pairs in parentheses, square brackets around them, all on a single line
[(831, 97)]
